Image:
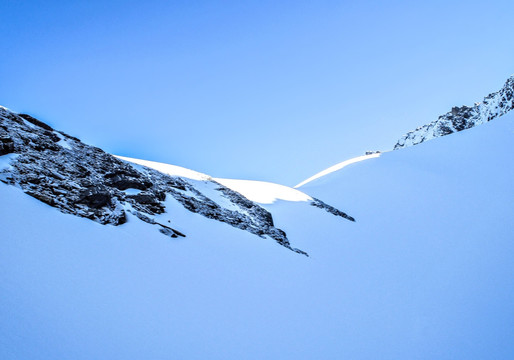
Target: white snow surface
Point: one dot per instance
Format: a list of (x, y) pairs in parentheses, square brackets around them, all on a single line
[(263, 192), (338, 167), (169, 169), (426, 272), (63, 142)]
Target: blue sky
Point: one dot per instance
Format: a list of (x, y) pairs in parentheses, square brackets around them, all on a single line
[(264, 90)]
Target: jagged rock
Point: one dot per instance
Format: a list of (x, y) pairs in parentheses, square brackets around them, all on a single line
[(80, 171), (320, 204), (35, 121), (52, 136), (33, 179), (464, 117), (123, 182), (6, 144), (95, 197), (145, 199)]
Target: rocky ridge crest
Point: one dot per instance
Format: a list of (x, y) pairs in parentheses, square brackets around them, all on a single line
[(465, 117)]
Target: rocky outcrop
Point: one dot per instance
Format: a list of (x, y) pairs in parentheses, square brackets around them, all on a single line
[(330, 209), (83, 180), (465, 117)]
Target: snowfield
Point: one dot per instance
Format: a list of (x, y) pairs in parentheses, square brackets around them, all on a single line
[(425, 272)]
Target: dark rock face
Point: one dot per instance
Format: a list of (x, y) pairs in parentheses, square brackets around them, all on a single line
[(83, 180), (124, 179), (465, 117), (320, 204), (124, 183), (95, 197), (6, 144)]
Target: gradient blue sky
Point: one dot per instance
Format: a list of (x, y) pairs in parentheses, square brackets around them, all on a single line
[(265, 90)]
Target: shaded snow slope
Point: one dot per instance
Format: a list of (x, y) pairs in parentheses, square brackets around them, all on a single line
[(460, 118), (425, 273)]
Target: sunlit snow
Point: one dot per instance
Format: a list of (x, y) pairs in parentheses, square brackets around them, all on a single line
[(172, 170), (264, 192), (338, 167), (259, 191)]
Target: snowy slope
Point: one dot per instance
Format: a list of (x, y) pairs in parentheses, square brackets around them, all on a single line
[(425, 272)]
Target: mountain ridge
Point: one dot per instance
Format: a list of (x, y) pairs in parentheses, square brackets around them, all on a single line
[(83, 180), (465, 117)]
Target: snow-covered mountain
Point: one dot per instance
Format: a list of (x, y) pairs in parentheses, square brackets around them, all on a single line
[(465, 117), (425, 271), (83, 180)]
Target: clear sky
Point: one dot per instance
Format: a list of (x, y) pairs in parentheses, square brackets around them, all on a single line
[(263, 90)]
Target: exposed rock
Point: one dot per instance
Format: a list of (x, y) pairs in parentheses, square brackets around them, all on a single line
[(35, 121), (95, 197), (465, 117), (6, 144), (145, 199), (124, 182), (320, 204)]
